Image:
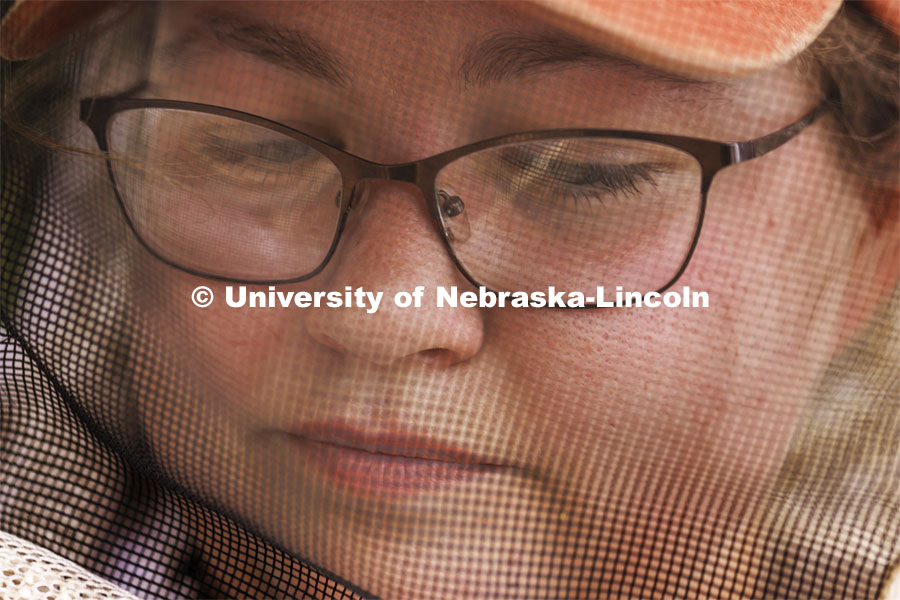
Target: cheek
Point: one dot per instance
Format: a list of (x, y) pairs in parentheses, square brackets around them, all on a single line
[(778, 241), (234, 345), (220, 353), (627, 382)]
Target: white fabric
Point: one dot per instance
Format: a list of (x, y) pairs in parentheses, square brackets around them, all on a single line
[(29, 572)]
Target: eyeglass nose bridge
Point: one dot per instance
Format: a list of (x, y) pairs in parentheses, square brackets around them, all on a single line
[(446, 209), (357, 172)]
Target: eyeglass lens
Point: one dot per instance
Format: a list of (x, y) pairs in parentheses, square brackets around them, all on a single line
[(574, 213), (222, 196)]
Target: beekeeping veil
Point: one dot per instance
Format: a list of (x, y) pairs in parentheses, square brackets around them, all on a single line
[(106, 489)]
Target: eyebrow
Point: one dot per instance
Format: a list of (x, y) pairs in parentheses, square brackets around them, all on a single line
[(503, 55), (287, 48), (494, 58)]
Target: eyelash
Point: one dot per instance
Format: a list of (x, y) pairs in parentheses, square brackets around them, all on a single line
[(589, 183), (620, 179), (237, 155)]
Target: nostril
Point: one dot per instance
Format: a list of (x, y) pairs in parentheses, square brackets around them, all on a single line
[(330, 342), (436, 357)]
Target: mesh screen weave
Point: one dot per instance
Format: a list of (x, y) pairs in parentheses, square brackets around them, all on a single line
[(751, 449)]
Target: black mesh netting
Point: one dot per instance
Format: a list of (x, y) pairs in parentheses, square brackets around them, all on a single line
[(748, 449)]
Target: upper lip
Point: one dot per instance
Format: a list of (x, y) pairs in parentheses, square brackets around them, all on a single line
[(393, 441)]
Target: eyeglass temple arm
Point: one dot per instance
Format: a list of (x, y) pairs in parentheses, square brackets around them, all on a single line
[(744, 151)]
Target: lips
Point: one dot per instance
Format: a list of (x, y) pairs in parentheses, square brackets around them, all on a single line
[(386, 462)]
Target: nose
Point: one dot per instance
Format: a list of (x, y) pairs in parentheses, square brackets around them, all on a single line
[(392, 245)]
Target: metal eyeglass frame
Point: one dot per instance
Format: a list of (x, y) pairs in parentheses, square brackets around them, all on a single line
[(712, 156)]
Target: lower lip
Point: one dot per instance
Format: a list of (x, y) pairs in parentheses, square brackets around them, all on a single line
[(364, 472)]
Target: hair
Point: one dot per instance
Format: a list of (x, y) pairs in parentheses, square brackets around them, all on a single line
[(856, 61)]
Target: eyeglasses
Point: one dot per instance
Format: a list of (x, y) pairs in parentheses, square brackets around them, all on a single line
[(228, 195)]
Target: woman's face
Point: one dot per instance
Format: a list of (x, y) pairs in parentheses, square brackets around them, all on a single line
[(457, 452)]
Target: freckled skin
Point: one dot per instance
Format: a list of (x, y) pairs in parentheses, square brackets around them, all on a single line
[(682, 413)]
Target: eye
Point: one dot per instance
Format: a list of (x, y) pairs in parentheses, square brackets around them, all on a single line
[(618, 179), (261, 159), (546, 174), (262, 152)]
